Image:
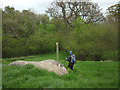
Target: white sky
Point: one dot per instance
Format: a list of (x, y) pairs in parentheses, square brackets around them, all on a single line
[(39, 6)]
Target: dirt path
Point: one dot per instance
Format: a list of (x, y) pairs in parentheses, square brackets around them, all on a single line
[(50, 65)]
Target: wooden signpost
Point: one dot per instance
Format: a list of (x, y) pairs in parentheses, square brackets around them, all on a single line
[(57, 51)]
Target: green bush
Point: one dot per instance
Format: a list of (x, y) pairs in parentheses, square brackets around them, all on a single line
[(35, 34), (92, 42)]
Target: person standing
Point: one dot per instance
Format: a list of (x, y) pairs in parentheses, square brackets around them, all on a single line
[(71, 59)]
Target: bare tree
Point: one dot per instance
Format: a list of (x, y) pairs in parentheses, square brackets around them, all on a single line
[(70, 11), (112, 13)]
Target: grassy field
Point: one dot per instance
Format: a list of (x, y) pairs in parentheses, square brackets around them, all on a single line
[(86, 74)]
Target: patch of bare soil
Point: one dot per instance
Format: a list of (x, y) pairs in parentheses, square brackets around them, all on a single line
[(50, 65)]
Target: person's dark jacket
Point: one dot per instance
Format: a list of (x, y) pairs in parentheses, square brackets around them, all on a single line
[(71, 58)]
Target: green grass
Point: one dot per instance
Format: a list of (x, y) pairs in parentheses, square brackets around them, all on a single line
[(39, 57), (86, 74)]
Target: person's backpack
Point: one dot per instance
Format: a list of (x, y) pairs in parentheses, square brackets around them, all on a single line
[(73, 59)]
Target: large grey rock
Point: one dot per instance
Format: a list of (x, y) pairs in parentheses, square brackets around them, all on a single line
[(50, 65)]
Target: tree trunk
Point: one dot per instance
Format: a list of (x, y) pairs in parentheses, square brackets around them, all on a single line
[(65, 19)]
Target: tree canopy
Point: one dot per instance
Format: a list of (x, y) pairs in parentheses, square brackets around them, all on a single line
[(76, 26), (70, 11)]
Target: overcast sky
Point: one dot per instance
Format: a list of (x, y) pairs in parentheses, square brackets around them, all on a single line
[(39, 6)]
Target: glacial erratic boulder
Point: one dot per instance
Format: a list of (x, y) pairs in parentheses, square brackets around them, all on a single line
[(50, 65)]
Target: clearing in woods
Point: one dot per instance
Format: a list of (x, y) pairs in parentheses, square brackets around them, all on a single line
[(86, 74)]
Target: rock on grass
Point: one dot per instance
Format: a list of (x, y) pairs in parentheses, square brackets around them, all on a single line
[(50, 65)]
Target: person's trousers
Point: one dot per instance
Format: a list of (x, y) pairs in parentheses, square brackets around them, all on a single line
[(70, 66)]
